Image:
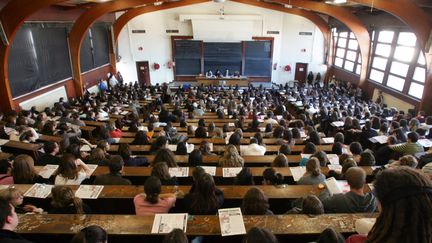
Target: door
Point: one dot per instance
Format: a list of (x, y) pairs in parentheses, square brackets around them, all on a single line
[(143, 72), (300, 72)]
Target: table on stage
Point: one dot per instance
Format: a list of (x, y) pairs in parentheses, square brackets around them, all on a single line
[(241, 81)]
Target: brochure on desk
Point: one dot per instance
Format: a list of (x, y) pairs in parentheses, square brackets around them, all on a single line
[(165, 223), (39, 191), (231, 222)]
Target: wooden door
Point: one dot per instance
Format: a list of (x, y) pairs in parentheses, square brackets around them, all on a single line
[(301, 72), (143, 72)]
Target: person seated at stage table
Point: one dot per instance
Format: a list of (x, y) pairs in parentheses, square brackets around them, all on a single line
[(354, 201)]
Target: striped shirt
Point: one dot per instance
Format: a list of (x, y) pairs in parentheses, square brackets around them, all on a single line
[(408, 148)]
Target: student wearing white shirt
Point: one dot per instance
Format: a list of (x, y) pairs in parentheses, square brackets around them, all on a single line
[(71, 171), (253, 148)]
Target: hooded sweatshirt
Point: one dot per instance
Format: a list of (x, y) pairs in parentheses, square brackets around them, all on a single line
[(348, 202)]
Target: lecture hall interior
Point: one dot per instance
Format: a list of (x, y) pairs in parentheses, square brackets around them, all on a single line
[(216, 121)]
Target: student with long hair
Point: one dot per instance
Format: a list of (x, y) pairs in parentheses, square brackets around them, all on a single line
[(24, 172), (313, 175), (64, 201), (15, 197), (126, 153), (165, 155), (152, 201), (231, 157), (206, 199), (161, 171), (403, 193), (71, 171), (255, 202)]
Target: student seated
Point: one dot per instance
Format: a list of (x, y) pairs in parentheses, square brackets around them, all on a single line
[(71, 171), (411, 147), (161, 171), (91, 234), (51, 149), (259, 235), (310, 205), (313, 175), (206, 199), (8, 223), (354, 201), (255, 202), (403, 193), (231, 157), (114, 177), (15, 197), (253, 148), (271, 177), (152, 201), (244, 177), (64, 201), (24, 172), (6, 172)]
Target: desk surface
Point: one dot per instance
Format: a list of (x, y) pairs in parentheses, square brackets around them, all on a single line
[(196, 225)]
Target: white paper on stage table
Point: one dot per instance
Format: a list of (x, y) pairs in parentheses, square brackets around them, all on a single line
[(297, 172), (38, 191), (328, 140), (333, 158), (48, 170), (165, 223), (89, 191), (211, 170), (231, 221), (231, 171), (179, 171)]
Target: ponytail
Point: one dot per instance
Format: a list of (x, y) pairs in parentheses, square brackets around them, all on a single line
[(77, 202), (152, 198), (278, 179)]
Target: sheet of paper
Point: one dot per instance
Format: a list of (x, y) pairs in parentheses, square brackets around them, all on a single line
[(337, 124), (124, 113), (425, 143), (371, 186), (3, 141), (85, 148), (39, 191), (297, 172), (143, 128), (2, 187), (190, 147), (381, 139), (231, 221), (302, 134), (328, 140), (231, 124), (336, 187), (333, 158), (231, 171), (48, 170), (228, 135), (172, 147), (307, 156), (165, 223), (92, 167), (179, 171), (89, 191), (337, 168), (116, 140), (210, 170)]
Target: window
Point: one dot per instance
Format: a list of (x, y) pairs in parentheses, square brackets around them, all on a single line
[(398, 62), (347, 51)]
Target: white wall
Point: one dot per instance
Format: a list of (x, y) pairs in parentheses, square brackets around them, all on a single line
[(45, 100), (156, 43)]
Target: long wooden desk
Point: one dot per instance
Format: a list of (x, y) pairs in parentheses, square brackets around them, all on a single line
[(52, 224), (241, 81)]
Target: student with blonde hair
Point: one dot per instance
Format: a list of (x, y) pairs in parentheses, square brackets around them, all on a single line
[(64, 201), (231, 157)]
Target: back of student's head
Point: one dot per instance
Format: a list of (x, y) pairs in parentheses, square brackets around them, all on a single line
[(91, 234), (285, 149), (63, 197), (115, 163), (255, 202), (337, 148), (413, 137), (322, 158), (152, 189), (403, 193), (280, 161), (176, 236), (356, 177), (339, 137), (330, 235), (49, 147), (313, 167), (408, 160), (259, 235), (5, 212), (366, 158), (271, 177), (195, 158), (309, 148), (244, 177), (312, 205), (356, 148), (348, 163)]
